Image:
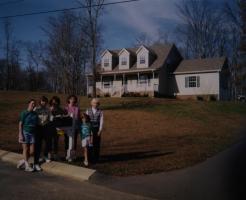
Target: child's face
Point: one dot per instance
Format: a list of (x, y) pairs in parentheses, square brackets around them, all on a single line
[(94, 104), (31, 105), (54, 103), (83, 120), (72, 101)]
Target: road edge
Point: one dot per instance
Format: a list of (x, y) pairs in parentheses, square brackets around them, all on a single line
[(56, 168)]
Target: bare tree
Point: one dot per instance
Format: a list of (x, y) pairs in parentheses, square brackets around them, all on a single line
[(65, 52), (142, 39), (34, 55), (7, 27), (234, 22), (91, 20), (11, 62), (203, 31)]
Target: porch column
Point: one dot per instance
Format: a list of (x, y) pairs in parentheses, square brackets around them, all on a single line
[(101, 81), (153, 77), (138, 79), (87, 85), (123, 80)]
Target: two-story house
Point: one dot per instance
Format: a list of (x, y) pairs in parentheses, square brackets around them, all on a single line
[(158, 70), (142, 70)]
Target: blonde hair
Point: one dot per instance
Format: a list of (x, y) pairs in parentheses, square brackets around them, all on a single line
[(96, 100)]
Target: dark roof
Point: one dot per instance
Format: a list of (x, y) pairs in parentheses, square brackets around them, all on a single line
[(201, 65), (160, 51)]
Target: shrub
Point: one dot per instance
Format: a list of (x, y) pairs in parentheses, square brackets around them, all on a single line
[(106, 95), (199, 98), (212, 98)]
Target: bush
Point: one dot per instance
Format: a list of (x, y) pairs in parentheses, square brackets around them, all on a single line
[(106, 95), (199, 98), (212, 98)]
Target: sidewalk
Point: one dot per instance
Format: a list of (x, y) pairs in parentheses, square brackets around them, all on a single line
[(221, 177), (56, 168)]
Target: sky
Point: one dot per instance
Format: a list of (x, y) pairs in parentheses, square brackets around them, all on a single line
[(122, 23)]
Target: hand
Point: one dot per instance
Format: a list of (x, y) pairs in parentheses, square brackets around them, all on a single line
[(21, 138), (99, 133), (91, 140)]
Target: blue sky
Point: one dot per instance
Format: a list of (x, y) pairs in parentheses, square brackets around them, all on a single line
[(122, 23)]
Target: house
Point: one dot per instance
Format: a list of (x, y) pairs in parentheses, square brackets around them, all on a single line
[(158, 70), (202, 78)]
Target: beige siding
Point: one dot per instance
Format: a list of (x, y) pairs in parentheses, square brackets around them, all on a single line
[(127, 56), (143, 52), (107, 55), (209, 84)]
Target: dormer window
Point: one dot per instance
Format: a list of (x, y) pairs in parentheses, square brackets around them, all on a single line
[(142, 60), (123, 61), (143, 57), (106, 62)]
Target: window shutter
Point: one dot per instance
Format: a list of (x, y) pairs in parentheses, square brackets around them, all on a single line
[(198, 81), (186, 82)]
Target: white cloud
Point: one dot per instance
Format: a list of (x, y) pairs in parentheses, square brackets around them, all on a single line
[(141, 16)]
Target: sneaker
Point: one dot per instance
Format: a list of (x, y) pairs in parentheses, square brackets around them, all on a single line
[(37, 168), (41, 160), (47, 160), (86, 163), (29, 169), (20, 164), (70, 160)]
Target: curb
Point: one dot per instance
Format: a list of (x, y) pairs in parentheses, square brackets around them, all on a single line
[(56, 168)]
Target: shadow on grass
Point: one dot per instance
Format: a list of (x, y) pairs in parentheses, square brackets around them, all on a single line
[(132, 156), (129, 105)]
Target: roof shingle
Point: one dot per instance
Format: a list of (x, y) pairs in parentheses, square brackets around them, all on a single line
[(161, 51), (200, 65)]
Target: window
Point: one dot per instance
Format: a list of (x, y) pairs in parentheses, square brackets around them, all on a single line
[(107, 84), (142, 60), (192, 81), (123, 61), (106, 62), (144, 80)]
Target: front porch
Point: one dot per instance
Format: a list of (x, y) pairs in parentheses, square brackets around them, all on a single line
[(118, 85)]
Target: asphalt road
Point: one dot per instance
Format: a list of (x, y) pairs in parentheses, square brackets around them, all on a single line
[(222, 177), (16, 184)]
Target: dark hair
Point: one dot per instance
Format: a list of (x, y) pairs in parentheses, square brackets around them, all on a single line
[(30, 100), (87, 117), (72, 96), (44, 99), (56, 99)]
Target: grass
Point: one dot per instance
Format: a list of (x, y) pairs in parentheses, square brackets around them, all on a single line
[(144, 135)]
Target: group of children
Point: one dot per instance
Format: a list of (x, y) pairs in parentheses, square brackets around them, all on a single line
[(47, 121)]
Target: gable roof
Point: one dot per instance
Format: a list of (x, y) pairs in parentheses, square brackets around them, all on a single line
[(160, 50), (200, 65), (131, 51), (113, 53)]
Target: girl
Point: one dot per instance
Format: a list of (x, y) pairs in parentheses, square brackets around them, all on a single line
[(27, 129), (43, 132), (73, 111), (86, 136), (56, 113)]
